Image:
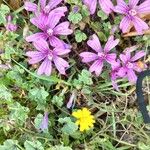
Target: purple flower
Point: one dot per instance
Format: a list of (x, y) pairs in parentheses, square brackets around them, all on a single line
[(114, 29), (129, 65), (10, 26), (5, 67), (106, 5), (44, 124), (50, 29), (101, 55), (48, 57), (75, 9), (45, 8), (114, 74), (132, 14), (71, 101)]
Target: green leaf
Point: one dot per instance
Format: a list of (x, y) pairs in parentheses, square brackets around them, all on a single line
[(50, 79), (15, 75), (77, 84), (69, 126), (9, 50), (36, 145), (75, 17), (5, 93), (10, 145), (102, 15), (60, 147), (58, 100), (86, 90), (143, 146), (18, 113), (85, 77), (102, 36), (38, 120), (4, 10), (85, 11), (80, 36), (39, 95)]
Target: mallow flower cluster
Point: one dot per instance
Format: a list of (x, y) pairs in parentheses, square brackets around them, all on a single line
[(125, 67), (49, 46), (132, 12)]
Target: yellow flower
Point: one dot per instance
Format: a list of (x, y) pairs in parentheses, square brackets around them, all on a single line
[(84, 119)]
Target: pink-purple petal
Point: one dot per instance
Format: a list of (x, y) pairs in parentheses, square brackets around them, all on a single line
[(116, 65), (140, 25), (144, 7), (122, 72), (61, 51), (45, 68), (36, 37), (131, 76), (125, 24), (53, 19), (110, 58), (94, 43), (111, 43), (124, 58), (131, 49), (114, 84), (61, 65), (54, 3), (35, 57), (29, 6), (91, 4), (97, 67), (121, 7), (106, 5), (62, 29), (88, 57), (138, 55), (39, 21), (133, 3), (54, 41), (60, 10), (42, 3), (41, 45)]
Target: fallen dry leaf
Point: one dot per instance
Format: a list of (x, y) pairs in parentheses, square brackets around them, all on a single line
[(15, 4), (134, 33)]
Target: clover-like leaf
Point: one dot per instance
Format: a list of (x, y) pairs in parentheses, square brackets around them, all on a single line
[(80, 36), (75, 17)]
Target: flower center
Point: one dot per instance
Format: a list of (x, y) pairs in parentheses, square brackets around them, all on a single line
[(50, 32), (50, 56), (102, 55), (129, 65), (47, 9), (133, 12)]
